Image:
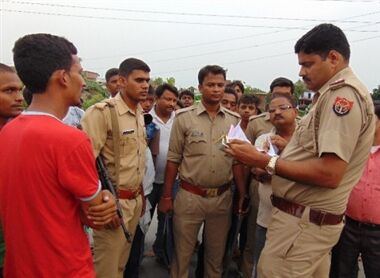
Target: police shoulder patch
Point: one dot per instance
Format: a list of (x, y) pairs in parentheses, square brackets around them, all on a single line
[(337, 84), (101, 105), (186, 109), (254, 117), (232, 113), (342, 106)]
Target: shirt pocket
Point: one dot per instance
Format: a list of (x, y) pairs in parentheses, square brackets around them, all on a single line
[(128, 144), (305, 135), (197, 146)]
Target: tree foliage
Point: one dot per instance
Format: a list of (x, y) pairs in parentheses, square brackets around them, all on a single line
[(299, 89), (155, 82), (376, 93), (251, 90), (93, 93)]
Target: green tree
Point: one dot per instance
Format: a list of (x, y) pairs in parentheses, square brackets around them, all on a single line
[(93, 93), (376, 93), (170, 81), (299, 89), (159, 81), (251, 90), (155, 82)]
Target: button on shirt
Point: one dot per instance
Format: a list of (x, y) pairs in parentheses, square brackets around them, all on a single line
[(363, 204), (195, 144), (349, 136), (161, 158), (97, 124)]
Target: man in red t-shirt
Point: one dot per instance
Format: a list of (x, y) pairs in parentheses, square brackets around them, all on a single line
[(48, 184)]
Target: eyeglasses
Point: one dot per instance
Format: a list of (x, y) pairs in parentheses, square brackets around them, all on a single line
[(282, 108)]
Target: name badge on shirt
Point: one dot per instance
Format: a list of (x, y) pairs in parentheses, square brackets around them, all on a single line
[(128, 131)]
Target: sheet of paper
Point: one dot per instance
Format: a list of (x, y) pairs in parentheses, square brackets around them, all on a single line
[(236, 133)]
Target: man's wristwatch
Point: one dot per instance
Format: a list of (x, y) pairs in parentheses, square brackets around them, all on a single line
[(271, 166)]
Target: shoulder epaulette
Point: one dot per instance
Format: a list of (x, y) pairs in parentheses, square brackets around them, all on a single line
[(104, 103), (232, 113), (186, 109), (262, 115), (337, 84)]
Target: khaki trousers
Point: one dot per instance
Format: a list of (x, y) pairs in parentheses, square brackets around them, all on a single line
[(247, 256), (111, 248), (190, 212), (297, 248)]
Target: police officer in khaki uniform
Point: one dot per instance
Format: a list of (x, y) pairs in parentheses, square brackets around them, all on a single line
[(258, 125), (320, 165), (121, 144), (206, 172)]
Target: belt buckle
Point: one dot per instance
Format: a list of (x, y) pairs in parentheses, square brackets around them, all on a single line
[(211, 192), (321, 218)]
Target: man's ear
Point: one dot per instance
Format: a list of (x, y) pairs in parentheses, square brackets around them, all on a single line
[(121, 81), (61, 76), (200, 88), (335, 57)]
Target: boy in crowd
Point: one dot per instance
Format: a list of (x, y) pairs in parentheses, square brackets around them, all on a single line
[(247, 106), (112, 76), (229, 99), (186, 97)]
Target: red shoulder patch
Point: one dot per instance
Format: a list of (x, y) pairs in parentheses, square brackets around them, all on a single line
[(342, 106)]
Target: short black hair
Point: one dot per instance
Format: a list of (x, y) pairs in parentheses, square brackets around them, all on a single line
[(229, 90), (186, 93), (292, 100), (151, 90), (322, 39), (28, 96), (282, 82), (376, 104), (213, 69), (235, 83), (249, 99), (38, 56), (111, 72), (131, 64), (162, 88), (6, 68)]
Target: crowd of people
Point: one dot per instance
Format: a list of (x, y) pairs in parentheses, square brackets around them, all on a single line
[(289, 197)]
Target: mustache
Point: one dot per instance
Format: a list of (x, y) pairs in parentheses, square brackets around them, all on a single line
[(305, 79), (277, 117)]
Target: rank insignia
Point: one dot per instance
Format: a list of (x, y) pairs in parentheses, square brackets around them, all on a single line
[(342, 106)]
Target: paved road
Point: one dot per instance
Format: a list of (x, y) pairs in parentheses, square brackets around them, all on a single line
[(151, 269)]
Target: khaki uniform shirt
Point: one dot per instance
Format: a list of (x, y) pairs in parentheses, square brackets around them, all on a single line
[(196, 146), (258, 125), (98, 125), (342, 122)]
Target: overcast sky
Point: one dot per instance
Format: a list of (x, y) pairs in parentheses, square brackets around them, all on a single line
[(252, 39)]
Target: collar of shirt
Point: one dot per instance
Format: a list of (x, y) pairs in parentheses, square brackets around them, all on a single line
[(155, 116), (39, 113), (201, 109), (123, 108), (340, 75)]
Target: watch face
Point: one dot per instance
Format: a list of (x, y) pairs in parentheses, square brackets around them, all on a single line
[(270, 168)]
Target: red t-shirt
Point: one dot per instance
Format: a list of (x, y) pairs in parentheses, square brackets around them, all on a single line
[(46, 169)]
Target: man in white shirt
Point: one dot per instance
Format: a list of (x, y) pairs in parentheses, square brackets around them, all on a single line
[(163, 116)]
